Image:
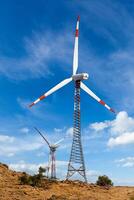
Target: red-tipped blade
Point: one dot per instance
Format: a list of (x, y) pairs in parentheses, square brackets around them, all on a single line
[(58, 86), (86, 89)]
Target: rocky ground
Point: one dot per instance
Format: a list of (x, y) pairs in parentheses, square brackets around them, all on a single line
[(11, 189)]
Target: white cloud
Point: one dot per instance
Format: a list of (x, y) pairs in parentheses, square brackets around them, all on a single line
[(123, 123), (123, 181), (126, 162), (124, 139), (9, 146), (58, 130), (92, 173), (42, 154), (99, 126), (6, 138), (26, 167), (25, 130), (69, 132), (121, 129)]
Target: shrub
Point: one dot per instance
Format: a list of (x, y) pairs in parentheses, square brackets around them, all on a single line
[(34, 180), (104, 181), (24, 179), (42, 171)]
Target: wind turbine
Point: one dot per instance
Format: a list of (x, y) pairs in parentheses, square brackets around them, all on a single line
[(76, 162), (52, 157)]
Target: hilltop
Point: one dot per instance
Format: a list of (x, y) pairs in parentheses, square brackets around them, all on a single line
[(11, 189)]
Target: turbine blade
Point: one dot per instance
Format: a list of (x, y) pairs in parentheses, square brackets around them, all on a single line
[(42, 136), (86, 89), (59, 141), (58, 86), (75, 57)]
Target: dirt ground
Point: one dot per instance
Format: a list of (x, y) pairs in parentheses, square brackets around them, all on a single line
[(10, 189)]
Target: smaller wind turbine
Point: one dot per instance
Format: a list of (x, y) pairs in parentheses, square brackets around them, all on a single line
[(52, 157)]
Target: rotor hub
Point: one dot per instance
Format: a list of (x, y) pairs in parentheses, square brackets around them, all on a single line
[(79, 77)]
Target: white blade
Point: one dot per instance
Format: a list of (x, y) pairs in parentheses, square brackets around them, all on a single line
[(59, 141), (75, 58), (86, 89), (58, 86)]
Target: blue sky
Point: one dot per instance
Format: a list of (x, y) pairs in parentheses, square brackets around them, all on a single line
[(36, 52)]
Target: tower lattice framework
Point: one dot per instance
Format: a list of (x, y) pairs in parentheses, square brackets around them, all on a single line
[(53, 167), (76, 162)]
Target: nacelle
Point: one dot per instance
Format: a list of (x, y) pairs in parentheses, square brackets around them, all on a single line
[(79, 77)]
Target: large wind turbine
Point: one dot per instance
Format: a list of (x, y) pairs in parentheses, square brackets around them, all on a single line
[(76, 163), (52, 159)]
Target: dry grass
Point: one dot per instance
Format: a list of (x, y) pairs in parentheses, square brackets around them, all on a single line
[(132, 198)]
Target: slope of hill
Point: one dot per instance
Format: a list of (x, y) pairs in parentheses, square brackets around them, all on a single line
[(11, 189)]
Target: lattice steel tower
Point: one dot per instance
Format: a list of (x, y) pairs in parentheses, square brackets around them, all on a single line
[(76, 162)]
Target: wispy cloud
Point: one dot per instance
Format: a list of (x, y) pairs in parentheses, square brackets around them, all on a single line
[(24, 130), (37, 112), (11, 145), (107, 19), (126, 162), (40, 51), (123, 181), (6, 138), (99, 126)]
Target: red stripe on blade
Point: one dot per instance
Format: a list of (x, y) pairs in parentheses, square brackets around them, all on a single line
[(102, 102), (31, 104), (42, 97), (77, 33)]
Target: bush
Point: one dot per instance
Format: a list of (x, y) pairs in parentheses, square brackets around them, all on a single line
[(34, 180), (42, 171), (24, 179), (104, 181)]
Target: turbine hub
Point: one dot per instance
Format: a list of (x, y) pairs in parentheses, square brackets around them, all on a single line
[(79, 77)]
